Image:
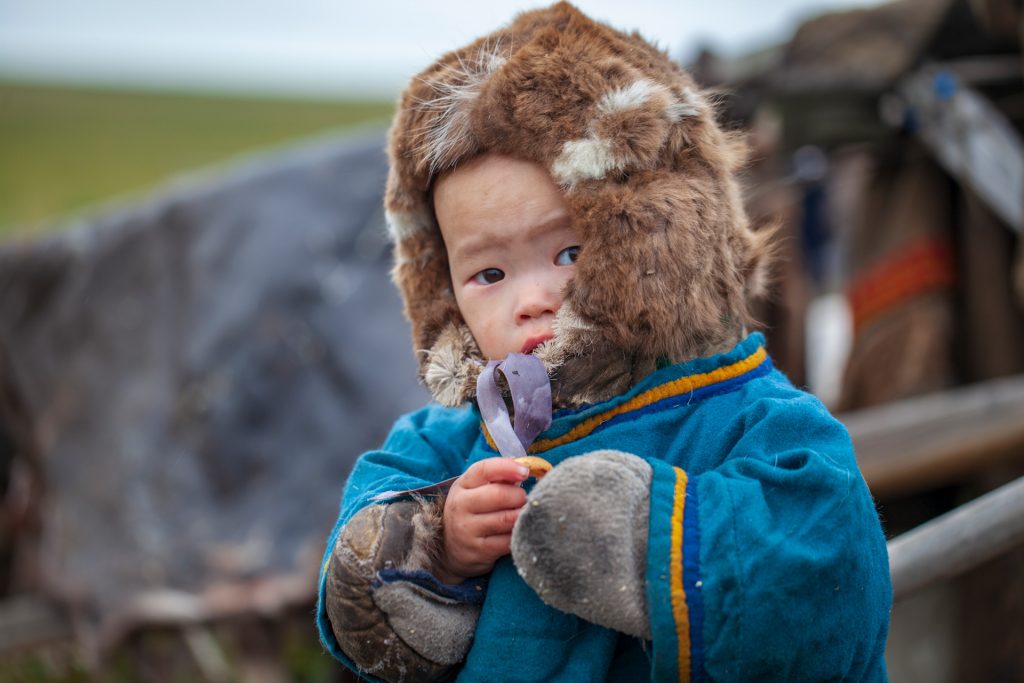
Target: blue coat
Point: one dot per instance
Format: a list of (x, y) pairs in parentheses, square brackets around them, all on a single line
[(765, 560)]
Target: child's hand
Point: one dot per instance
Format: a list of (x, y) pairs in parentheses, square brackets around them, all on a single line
[(482, 507)]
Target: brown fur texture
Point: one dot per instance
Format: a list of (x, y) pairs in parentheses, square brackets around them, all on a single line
[(668, 262)]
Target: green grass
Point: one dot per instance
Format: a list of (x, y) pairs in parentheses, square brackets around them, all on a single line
[(64, 149)]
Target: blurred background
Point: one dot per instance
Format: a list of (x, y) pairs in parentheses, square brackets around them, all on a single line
[(198, 334), (105, 98)]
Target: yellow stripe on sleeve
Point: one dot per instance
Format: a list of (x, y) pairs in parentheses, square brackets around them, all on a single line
[(680, 611)]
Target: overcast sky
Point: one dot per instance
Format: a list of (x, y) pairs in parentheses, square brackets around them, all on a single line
[(329, 47)]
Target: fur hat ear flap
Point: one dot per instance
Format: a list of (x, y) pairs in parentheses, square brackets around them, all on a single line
[(449, 374)]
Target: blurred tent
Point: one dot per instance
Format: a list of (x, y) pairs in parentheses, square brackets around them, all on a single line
[(186, 382)]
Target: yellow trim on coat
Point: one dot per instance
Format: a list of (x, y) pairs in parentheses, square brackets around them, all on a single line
[(323, 568), (680, 610)]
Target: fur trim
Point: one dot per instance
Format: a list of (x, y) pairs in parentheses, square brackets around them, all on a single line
[(448, 376), (668, 261), (427, 535), (451, 104)]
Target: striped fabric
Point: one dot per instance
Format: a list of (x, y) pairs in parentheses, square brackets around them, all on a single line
[(680, 610), (921, 266)]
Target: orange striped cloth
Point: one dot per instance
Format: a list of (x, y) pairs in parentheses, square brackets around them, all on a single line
[(922, 265)]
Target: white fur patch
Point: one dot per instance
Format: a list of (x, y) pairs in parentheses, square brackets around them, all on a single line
[(403, 224), (452, 103), (633, 95), (641, 91), (690, 106), (585, 159), (592, 157)]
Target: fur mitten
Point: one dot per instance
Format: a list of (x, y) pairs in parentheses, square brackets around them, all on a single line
[(389, 614), (581, 541)]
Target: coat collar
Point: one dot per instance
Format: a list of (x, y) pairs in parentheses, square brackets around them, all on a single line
[(687, 382)]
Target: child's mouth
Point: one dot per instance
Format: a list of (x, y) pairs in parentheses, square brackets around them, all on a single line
[(534, 342)]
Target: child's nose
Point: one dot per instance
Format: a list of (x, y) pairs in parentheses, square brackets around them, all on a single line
[(537, 300)]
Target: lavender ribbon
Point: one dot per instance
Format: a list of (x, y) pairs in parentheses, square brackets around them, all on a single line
[(530, 388), (531, 399)]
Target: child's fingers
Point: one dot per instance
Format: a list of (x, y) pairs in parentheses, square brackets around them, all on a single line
[(493, 524), (491, 470), (497, 545), (490, 498)]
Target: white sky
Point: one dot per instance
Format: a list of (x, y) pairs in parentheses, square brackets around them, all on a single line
[(327, 47)]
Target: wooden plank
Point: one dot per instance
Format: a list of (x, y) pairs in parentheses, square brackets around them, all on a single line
[(914, 445), (958, 541)]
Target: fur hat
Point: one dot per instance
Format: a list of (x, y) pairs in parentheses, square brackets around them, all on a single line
[(667, 260)]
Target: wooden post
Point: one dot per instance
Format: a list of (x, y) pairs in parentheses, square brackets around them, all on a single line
[(958, 540)]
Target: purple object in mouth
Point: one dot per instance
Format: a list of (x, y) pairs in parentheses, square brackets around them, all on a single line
[(530, 388)]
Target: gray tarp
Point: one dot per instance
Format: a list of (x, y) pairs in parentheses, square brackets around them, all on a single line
[(203, 367)]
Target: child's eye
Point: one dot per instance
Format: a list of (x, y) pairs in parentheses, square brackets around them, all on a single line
[(567, 256), (488, 276)]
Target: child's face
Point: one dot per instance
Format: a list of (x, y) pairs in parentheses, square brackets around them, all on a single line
[(511, 249)]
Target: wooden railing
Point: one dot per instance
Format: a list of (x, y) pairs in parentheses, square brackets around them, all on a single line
[(958, 541), (915, 445), (922, 443)]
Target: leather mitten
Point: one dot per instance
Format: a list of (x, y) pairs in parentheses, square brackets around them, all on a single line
[(389, 614), (581, 541)]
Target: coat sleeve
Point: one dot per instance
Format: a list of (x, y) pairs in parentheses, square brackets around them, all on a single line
[(771, 566), (379, 608)]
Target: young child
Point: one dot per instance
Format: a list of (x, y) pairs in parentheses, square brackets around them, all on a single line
[(561, 189)]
